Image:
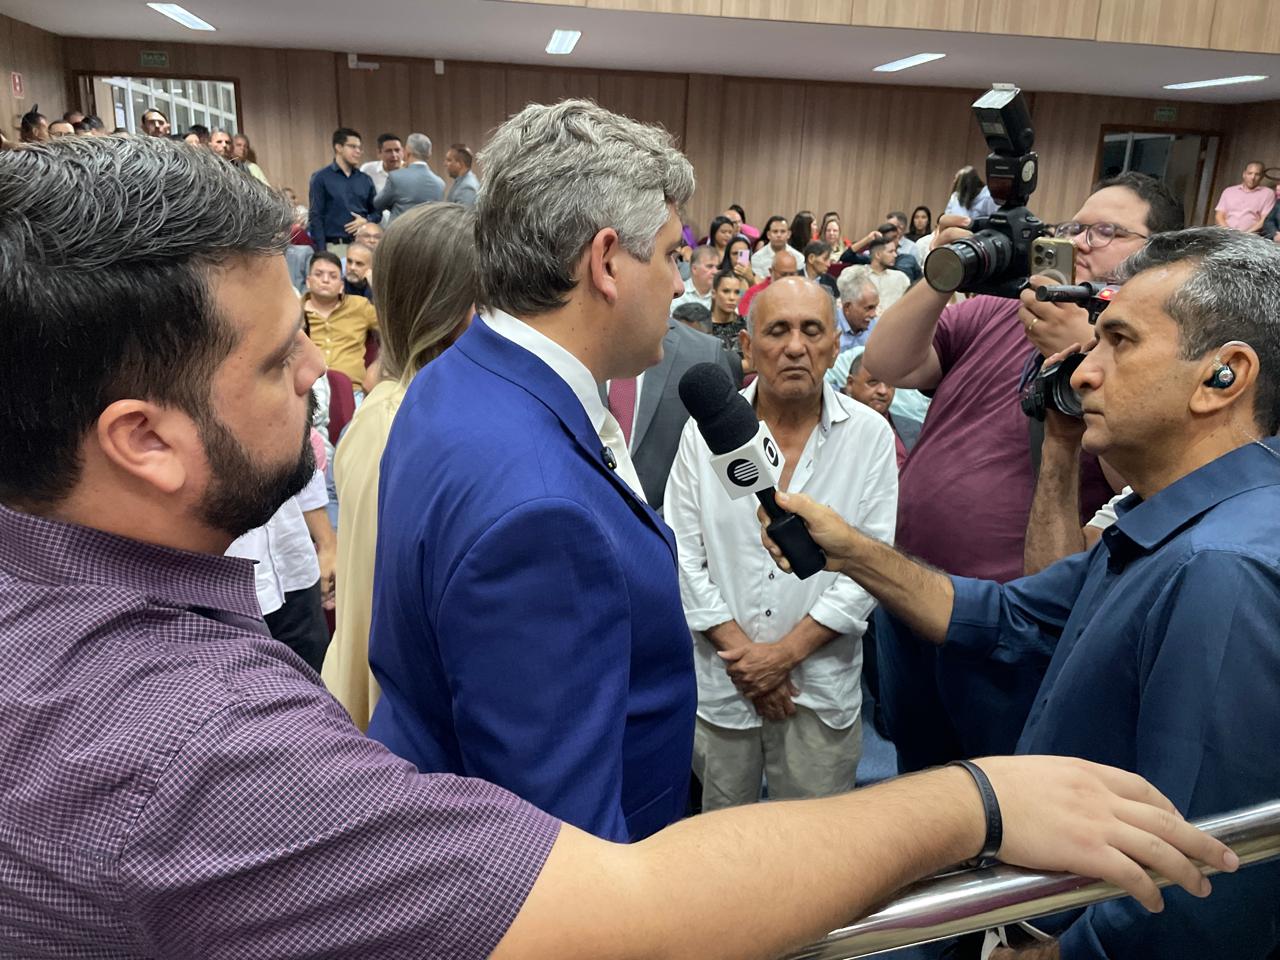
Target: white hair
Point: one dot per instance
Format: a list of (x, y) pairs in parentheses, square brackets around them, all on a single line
[(419, 144), (555, 176), (853, 282)]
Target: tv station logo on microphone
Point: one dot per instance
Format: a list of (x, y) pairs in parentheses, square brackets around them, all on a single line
[(752, 467)]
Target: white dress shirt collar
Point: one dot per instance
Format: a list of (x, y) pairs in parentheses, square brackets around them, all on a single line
[(832, 410), (565, 365)]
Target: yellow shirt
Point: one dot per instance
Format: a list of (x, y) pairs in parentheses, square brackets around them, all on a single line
[(341, 335), (355, 472)]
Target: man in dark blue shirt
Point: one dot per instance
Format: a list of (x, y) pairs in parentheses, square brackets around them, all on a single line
[(1158, 648), (341, 196)]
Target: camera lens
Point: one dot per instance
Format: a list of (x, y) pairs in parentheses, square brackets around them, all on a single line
[(1060, 394), (971, 260)]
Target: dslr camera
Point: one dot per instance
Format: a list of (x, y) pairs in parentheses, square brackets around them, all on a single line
[(996, 260), (1050, 387)]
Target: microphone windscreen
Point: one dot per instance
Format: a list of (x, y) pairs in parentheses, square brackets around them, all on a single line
[(723, 415)]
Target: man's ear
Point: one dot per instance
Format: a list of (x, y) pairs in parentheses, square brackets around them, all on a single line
[(1225, 378), (147, 442), (744, 344), (602, 263)]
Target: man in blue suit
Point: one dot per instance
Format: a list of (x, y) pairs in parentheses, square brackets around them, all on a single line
[(527, 626)]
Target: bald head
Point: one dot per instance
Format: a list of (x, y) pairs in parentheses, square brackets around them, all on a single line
[(792, 341), (792, 296), (784, 265)]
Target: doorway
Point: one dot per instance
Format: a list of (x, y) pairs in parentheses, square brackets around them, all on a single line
[(1185, 160)]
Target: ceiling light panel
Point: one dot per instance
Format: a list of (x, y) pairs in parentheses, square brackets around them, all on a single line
[(181, 15), (906, 63), (563, 42)]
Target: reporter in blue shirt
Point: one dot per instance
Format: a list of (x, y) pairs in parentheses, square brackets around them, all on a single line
[(341, 197), (1159, 648)]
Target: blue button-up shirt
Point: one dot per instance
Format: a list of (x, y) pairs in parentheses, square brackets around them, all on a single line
[(1161, 652), (335, 198)]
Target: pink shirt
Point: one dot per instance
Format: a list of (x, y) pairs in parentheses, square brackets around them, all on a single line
[(1246, 208)]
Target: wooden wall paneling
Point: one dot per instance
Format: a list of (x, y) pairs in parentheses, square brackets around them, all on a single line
[(526, 85), (1246, 25), (705, 8), (651, 98), (1176, 23), (959, 15), (790, 11), (465, 105), (38, 56), (375, 101), (312, 108), (1078, 20), (703, 145)]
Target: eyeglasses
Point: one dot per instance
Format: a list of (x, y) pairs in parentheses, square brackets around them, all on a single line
[(1096, 235)]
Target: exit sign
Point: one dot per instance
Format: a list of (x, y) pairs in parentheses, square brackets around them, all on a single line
[(1166, 114), (154, 59)]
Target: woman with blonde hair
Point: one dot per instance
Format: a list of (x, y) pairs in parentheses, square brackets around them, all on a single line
[(427, 279)]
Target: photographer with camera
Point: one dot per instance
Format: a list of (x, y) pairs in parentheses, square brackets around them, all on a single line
[(966, 489), (1157, 649)]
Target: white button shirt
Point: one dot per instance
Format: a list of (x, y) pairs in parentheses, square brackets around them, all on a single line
[(286, 556), (849, 462)]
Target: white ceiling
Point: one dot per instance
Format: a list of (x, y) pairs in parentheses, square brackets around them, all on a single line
[(517, 33)]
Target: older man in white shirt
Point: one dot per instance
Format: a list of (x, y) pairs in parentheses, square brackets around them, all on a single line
[(778, 660)]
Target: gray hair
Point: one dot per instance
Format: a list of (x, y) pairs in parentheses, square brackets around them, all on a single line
[(701, 253), (107, 249), (419, 144), (853, 281), (555, 177), (755, 303), (1232, 293)]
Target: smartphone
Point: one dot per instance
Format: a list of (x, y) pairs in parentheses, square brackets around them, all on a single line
[(743, 256), (1054, 257)]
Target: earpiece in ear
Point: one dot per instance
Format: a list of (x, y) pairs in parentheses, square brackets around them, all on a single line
[(1222, 378)]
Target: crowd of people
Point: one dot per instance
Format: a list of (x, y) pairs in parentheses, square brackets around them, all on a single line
[(445, 423)]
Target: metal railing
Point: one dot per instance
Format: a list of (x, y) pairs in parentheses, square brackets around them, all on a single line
[(972, 900)]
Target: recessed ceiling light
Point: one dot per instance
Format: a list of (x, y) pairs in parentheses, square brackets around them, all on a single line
[(908, 62), (182, 15), (1220, 82), (563, 41)]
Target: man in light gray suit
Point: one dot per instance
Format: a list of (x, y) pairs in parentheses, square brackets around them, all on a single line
[(653, 421), (457, 163), (414, 183)]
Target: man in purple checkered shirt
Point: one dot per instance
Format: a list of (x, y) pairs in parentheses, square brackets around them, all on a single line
[(174, 783)]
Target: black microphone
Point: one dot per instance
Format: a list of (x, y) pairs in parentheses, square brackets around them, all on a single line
[(746, 458)]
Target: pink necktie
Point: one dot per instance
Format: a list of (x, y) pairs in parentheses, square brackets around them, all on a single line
[(622, 404)]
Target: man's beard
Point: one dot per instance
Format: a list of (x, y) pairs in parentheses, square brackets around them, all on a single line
[(242, 494)]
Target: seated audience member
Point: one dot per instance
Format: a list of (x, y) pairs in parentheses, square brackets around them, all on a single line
[(62, 128), (831, 234), (295, 553), (359, 275), (1244, 206), (179, 787), (201, 133), (370, 234), (802, 230), (466, 186), (694, 316), (737, 258), (155, 123), (906, 260), (1271, 227), (426, 270), (921, 223), (414, 183), (817, 259), (855, 252), (191, 138), (726, 291), (976, 446), (721, 232), (783, 265), (703, 266), (81, 128), (969, 196), (777, 232), (878, 395), (908, 407), (778, 660), (390, 159), (739, 217), (889, 283), (859, 303), (1157, 650), (243, 155), (73, 117), (338, 323), (33, 127)]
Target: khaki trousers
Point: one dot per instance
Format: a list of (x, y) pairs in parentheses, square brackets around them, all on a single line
[(337, 249), (800, 757)]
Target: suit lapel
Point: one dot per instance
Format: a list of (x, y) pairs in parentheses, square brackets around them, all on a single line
[(655, 383), (514, 363)]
